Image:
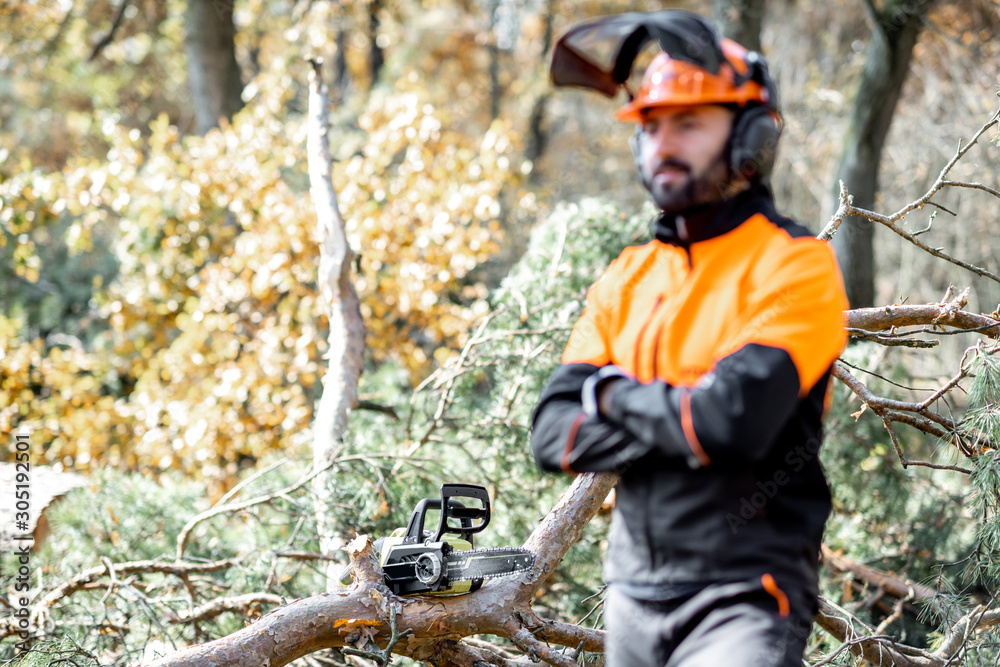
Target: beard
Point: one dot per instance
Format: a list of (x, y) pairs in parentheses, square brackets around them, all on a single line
[(693, 189)]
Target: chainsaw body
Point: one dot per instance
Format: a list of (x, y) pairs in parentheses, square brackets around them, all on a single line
[(417, 561)]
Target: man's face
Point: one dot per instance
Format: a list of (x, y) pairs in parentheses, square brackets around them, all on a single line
[(682, 155)]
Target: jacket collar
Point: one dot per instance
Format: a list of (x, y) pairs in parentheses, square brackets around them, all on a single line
[(707, 221)]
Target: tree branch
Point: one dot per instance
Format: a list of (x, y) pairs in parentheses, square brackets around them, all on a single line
[(240, 604), (526, 641), (895, 586), (88, 577), (182, 537), (346, 335), (564, 524), (846, 207), (979, 618), (108, 38), (888, 317), (876, 649)]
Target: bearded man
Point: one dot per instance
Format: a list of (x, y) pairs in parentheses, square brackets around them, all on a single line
[(699, 369)]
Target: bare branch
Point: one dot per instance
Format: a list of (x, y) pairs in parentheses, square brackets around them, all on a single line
[(86, 580), (108, 38), (895, 586), (941, 179), (846, 207), (346, 334), (890, 340), (240, 604), (565, 522), (890, 222), (876, 649), (182, 537), (569, 634), (974, 186), (888, 317), (526, 641), (837, 219), (880, 405), (979, 618)]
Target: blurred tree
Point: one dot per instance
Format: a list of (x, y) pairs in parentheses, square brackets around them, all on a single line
[(214, 74), (742, 20), (895, 26)]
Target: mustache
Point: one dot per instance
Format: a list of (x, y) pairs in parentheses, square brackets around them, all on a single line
[(672, 163)]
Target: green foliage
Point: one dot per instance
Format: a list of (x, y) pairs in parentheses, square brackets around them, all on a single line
[(933, 527)]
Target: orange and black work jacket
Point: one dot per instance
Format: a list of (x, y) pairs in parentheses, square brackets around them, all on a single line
[(724, 345)]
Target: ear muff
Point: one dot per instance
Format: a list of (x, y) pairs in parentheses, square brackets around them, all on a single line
[(754, 144)]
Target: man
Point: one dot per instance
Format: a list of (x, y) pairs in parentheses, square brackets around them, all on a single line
[(700, 366)]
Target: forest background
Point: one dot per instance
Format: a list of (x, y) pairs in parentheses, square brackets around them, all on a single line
[(164, 331)]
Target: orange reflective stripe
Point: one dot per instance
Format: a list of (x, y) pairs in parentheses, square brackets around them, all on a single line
[(771, 586), (570, 441), (687, 424)]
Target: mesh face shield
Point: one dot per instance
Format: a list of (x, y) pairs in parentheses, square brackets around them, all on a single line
[(598, 55)]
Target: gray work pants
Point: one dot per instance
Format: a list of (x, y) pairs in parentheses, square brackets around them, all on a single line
[(724, 625)]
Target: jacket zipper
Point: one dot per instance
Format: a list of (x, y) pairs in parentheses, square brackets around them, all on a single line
[(642, 334), (659, 330)]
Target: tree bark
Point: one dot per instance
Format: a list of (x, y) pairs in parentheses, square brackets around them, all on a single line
[(350, 616), (538, 137), (340, 74), (496, 91), (742, 20), (376, 58), (895, 28), (213, 73), (346, 336)]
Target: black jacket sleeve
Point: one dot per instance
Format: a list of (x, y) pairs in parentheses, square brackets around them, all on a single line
[(733, 414), (564, 439)]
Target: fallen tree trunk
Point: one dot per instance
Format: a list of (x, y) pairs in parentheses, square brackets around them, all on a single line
[(368, 614)]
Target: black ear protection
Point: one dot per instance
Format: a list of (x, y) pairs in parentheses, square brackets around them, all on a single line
[(753, 144)]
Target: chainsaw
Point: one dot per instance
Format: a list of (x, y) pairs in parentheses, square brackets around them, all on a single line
[(444, 562)]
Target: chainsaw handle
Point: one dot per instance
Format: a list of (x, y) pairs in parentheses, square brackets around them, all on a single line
[(467, 516), (457, 510)]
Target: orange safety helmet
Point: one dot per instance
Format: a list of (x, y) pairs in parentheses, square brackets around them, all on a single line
[(671, 82)]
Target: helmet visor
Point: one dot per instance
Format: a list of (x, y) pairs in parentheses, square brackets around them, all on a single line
[(599, 54)]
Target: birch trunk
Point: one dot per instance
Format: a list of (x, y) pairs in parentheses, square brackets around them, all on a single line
[(345, 340)]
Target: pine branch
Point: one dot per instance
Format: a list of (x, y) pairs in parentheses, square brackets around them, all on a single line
[(891, 584)]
